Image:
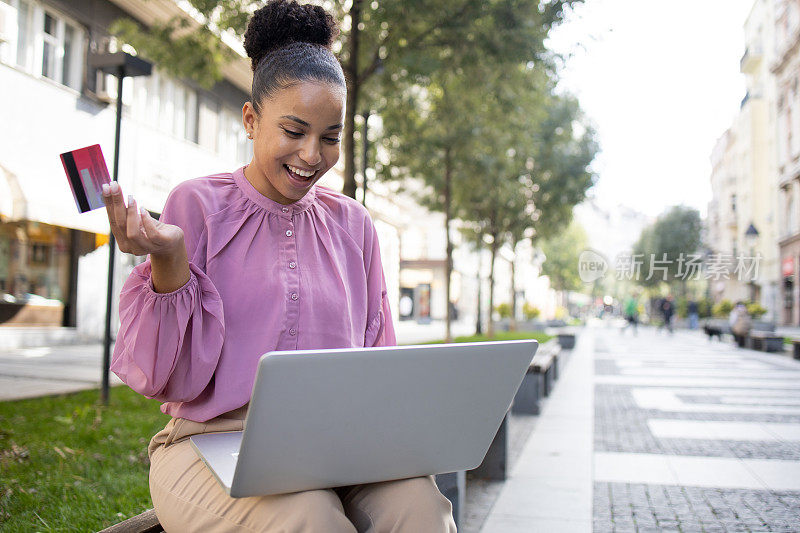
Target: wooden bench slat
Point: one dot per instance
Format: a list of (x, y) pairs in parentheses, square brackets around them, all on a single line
[(146, 522)]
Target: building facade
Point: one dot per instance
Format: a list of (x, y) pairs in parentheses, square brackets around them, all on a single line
[(786, 70), (53, 260), (742, 226)]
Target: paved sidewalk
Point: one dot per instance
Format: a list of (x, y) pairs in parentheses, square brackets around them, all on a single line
[(550, 485), (692, 435), (688, 436)]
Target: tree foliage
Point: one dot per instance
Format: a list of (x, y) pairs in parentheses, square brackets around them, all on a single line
[(561, 252), (384, 45), (668, 243)]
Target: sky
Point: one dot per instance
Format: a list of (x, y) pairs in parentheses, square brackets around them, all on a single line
[(660, 81)]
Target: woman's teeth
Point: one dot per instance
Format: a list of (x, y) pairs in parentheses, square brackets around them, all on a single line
[(300, 173)]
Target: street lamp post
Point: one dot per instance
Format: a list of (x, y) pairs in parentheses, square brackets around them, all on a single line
[(119, 64), (751, 238)]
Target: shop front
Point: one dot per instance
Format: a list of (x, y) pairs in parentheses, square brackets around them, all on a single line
[(790, 288), (38, 272)]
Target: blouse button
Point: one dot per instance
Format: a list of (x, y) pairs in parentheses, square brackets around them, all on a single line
[(292, 264), (294, 296), (288, 233), (285, 209), (292, 331)]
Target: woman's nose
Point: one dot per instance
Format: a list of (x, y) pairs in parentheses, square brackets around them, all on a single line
[(311, 153)]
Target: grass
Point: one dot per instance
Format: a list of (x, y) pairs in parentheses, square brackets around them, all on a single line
[(503, 336), (68, 463)]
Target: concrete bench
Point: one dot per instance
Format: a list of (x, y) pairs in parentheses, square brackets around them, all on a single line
[(495, 462), (534, 385), (546, 364), (765, 341), (454, 487), (147, 522), (795, 347), (566, 339)]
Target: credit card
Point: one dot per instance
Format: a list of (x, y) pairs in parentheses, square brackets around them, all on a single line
[(87, 172)]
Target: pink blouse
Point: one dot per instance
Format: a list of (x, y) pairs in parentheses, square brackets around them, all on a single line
[(263, 277)]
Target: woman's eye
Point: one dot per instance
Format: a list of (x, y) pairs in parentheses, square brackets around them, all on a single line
[(292, 133), (332, 140)]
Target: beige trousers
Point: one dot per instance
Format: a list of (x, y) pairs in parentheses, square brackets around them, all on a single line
[(187, 498)]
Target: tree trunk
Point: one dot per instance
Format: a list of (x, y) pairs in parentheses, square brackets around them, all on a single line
[(513, 324), (449, 248), (353, 85), (490, 328)]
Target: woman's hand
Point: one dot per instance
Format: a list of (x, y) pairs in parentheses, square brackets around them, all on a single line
[(136, 231)]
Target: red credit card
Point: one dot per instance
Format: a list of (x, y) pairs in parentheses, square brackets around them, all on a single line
[(87, 172)]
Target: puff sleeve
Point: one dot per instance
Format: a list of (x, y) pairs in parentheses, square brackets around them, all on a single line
[(380, 328), (169, 344)]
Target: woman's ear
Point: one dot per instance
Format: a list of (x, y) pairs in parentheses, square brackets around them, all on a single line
[(249, 119)]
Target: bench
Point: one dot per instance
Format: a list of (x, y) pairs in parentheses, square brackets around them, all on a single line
[(546, 364), (795, 347), (765, 341), (454, 487), (147, 522), (566, 339), (538, 380)]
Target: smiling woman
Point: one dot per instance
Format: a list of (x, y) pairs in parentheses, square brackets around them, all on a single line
[(295, 139), (246, 262)]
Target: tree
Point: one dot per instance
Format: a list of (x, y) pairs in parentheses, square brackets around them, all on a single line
[(381, 44), (561, 252), (668, 244)]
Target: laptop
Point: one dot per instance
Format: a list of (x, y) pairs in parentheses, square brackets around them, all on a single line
[(330, 418)]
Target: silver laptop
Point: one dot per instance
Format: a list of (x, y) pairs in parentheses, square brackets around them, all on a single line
[(330, 418)]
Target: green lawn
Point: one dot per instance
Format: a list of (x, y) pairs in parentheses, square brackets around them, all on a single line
[(504, 336), (69, 464)]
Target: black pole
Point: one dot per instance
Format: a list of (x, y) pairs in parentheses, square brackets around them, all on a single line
[(478, 322), (111, 246), (365, 160)]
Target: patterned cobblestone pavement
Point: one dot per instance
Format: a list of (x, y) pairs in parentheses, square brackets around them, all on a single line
[(694, 436)]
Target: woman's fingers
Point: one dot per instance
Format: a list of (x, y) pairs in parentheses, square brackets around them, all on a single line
[(148, 224), (115, 207), (133, 220)]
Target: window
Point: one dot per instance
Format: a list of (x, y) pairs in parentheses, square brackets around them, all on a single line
[(44, 43), (232, 140), (24, 37), (208, 124)]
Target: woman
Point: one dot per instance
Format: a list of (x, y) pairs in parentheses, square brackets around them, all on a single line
[(740, 324), (251, 261)]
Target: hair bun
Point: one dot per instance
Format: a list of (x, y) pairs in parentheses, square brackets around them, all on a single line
[(282, 22)]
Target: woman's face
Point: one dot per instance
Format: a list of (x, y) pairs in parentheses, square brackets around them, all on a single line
[(295, 139)]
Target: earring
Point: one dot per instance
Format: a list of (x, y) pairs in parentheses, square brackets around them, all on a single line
[(249, 135)]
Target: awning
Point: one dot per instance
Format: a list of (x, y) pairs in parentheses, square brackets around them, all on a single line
[(47, 198)]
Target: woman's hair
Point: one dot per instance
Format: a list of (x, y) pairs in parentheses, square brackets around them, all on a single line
[(287, 43)]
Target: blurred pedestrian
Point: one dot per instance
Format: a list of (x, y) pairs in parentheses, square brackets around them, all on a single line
[(668, 311), (631, 311), (740, 323), (693, 314)]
